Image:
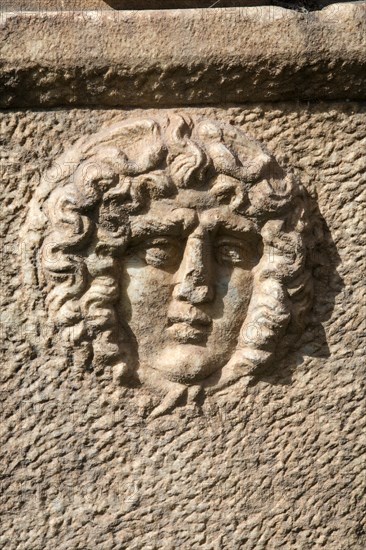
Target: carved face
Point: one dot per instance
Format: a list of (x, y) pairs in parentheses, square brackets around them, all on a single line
[(170, 250), (186, 283)]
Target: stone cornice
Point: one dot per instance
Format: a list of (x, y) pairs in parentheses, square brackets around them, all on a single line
[(182, 57)]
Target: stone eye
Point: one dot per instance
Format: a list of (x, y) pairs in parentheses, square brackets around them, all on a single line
[(232, 253), (160, 252)]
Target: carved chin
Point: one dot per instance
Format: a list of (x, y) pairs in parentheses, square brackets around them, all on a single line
[(187, 363)]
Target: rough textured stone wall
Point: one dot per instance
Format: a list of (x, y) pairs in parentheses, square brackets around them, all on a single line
[(278, 464)]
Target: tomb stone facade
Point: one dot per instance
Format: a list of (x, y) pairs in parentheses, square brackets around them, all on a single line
[(182, 264)]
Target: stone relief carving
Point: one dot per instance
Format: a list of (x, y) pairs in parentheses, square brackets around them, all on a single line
[(174, 252)]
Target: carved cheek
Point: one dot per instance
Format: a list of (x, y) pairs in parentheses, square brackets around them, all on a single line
[(233, 292), (145, 295), (147, 284)]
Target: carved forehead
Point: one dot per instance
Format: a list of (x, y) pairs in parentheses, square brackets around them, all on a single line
[(167, 217)]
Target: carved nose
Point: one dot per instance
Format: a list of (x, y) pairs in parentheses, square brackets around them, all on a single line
[(188, 292), (194, 277)]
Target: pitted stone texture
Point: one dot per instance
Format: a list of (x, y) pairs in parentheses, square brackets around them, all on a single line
[(277, 465)]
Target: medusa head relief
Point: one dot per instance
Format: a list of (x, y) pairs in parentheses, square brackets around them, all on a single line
[(173, 252)]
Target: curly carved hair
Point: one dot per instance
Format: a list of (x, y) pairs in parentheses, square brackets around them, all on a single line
[(79, 225)]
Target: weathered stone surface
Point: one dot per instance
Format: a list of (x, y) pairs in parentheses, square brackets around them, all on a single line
[(278, 462), (182, 57)]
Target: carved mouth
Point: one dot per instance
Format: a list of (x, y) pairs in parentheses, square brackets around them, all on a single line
[(193, 327)]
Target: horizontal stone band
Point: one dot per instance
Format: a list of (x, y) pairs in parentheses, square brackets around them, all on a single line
[(182, 57)]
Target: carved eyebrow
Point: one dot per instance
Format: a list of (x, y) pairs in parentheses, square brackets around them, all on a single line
[(237, 229), (231, 222), (144, 226)]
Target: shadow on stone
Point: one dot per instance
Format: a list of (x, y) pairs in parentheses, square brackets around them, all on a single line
[(304, 5), (324, 260)]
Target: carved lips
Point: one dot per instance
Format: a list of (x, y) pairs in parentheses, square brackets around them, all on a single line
[(187, 324)]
